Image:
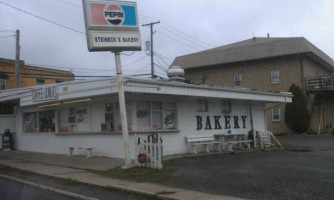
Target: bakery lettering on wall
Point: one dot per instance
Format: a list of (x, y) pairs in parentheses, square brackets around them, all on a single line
[(219, 122), (45, 93)]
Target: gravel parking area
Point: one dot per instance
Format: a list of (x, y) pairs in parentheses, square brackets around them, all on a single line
[(305, 170)]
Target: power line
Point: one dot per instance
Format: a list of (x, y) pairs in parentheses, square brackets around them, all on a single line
[(187, 45), (52, 22), (8, 31), (70, 4), (188, 35), (158, 56), (185, 38), (7, 36)]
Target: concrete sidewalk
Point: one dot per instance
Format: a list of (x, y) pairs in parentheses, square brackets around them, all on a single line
[(78, 168)]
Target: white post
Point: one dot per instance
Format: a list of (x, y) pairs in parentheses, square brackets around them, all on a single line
[(122, 110)]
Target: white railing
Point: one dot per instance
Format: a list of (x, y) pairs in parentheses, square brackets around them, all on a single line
[(149, 151), (8, 122)]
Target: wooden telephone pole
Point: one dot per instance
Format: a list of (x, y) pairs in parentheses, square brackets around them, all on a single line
[(152, 62)]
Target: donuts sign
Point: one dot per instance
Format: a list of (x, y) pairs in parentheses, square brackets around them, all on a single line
[(111, 25)]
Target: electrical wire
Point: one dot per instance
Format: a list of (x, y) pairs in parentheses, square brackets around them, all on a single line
[(158, 56), (52, 22), (7, 31), (7, 36), (189, 46), (70, 4), (186, 39)]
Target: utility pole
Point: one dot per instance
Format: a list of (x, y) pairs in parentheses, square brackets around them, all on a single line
[(17, 60), (152, 62)]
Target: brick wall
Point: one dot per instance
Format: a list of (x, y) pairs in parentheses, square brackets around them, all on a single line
[(50, 76), (256, 74)]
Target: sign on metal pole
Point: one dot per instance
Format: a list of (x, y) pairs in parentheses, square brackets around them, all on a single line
[(111, 25)]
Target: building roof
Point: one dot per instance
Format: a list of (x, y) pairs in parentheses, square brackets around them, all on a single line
[(108, 86), (34, 70), (253, 49)]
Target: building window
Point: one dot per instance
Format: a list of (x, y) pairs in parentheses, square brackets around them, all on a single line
[(276, 114), (163, 116), (274, 76), (3, 84), (40, 81), (58, 81), (226, 106), (46, 121), (237, 80), (30, 122), (202, 105), (109, 116)]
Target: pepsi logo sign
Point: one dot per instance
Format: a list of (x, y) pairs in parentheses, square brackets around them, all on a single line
[(114, 14)]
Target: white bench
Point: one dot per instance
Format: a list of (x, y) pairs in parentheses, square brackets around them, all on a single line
[(238, 142), (203, 141), (88, 150)]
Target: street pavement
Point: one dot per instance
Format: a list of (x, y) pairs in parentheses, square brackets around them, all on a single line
[(304, 170), (13, 190), (61, 166)]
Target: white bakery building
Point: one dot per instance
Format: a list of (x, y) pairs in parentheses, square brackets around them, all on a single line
[(51, 118)]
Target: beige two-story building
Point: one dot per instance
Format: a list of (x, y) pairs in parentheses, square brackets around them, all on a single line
[(270, 64)]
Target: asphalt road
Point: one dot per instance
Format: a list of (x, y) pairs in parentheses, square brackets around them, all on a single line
[(12, 190), (304, 171)]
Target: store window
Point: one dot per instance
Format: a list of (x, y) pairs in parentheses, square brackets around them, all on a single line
[(30, 122), (46, 121), (237, 80), (143, 115), (109, 117), (202, 105), (163, 116), (276, 114), (3, 84), (274, 76)]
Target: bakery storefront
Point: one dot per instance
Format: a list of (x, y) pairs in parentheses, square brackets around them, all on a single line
[(51, 118)]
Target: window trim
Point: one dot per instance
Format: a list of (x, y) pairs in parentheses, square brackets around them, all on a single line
[(206, 109), (279, 115), (38, 123), (234, 80), (272, 78)]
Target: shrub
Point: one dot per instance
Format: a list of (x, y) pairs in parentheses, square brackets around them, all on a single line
[(297, 116)]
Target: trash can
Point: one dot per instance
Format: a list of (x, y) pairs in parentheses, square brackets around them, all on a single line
[(6, 140)]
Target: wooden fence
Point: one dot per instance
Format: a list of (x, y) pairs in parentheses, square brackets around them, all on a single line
[(149, 151)]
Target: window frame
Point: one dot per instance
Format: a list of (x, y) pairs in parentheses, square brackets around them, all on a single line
[(38, 81), (272, 77), (199, 102), (235, 81), (163, 110), (37, 114), (5, 84), (278, 114)]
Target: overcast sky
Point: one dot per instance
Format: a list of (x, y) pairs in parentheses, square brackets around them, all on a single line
[(186, 26)]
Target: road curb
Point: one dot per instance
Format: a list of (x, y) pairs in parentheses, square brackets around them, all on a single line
[(63, 192)]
